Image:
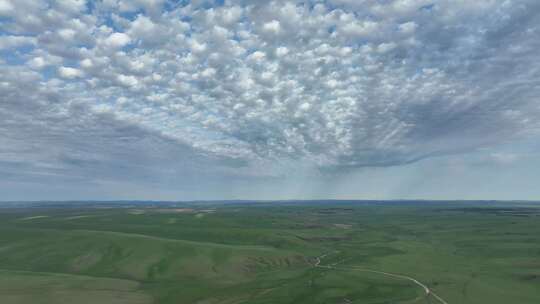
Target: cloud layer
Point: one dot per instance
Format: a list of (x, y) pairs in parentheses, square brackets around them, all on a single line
[(128, 89)]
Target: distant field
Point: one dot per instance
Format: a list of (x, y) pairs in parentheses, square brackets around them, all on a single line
[(272, 253)]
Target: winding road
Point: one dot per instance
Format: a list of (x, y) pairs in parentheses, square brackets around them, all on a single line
[(426, 289)]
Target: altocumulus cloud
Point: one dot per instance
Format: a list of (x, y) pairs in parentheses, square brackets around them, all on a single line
[(135, 90)]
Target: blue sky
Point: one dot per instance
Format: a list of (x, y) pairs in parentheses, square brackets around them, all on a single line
[(156, 99)]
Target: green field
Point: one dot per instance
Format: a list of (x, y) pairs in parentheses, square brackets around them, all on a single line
[(463, 252)]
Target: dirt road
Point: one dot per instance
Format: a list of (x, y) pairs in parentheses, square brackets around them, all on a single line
[(394, 275)]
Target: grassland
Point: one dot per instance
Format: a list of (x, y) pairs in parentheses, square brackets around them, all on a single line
[(465, 252)]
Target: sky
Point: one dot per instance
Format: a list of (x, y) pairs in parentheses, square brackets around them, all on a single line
[(341, 99)]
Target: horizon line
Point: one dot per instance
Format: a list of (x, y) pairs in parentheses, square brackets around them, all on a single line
[(263, 200)]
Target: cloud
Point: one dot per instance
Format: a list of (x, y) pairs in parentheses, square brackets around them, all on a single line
[(117, 40), (72, 6), (408, 27), (8, 42), (127, 81), (272, 27), (278, 85), (6, 8), (69, 73)]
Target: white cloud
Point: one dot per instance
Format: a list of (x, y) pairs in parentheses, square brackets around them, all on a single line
[(282, 51), (408, 27), (67, 34), (386, 47), (6, 7), (87, 63), (148, 32), (257, 56), (8, 42), (69, 73), (231, 14), (37, 63), (117, 40), (272, 27), (72, 6), (197, 47), (357, 28), (127, 81)]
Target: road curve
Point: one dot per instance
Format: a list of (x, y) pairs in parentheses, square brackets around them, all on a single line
[(399, 276)]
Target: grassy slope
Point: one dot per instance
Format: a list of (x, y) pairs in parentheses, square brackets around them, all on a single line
[(39, 287), (161, 265), (260, 255)]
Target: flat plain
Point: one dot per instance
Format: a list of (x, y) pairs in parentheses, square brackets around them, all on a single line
[(272, 253)]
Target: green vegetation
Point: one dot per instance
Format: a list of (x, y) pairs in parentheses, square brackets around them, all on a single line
[(466, 253)]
